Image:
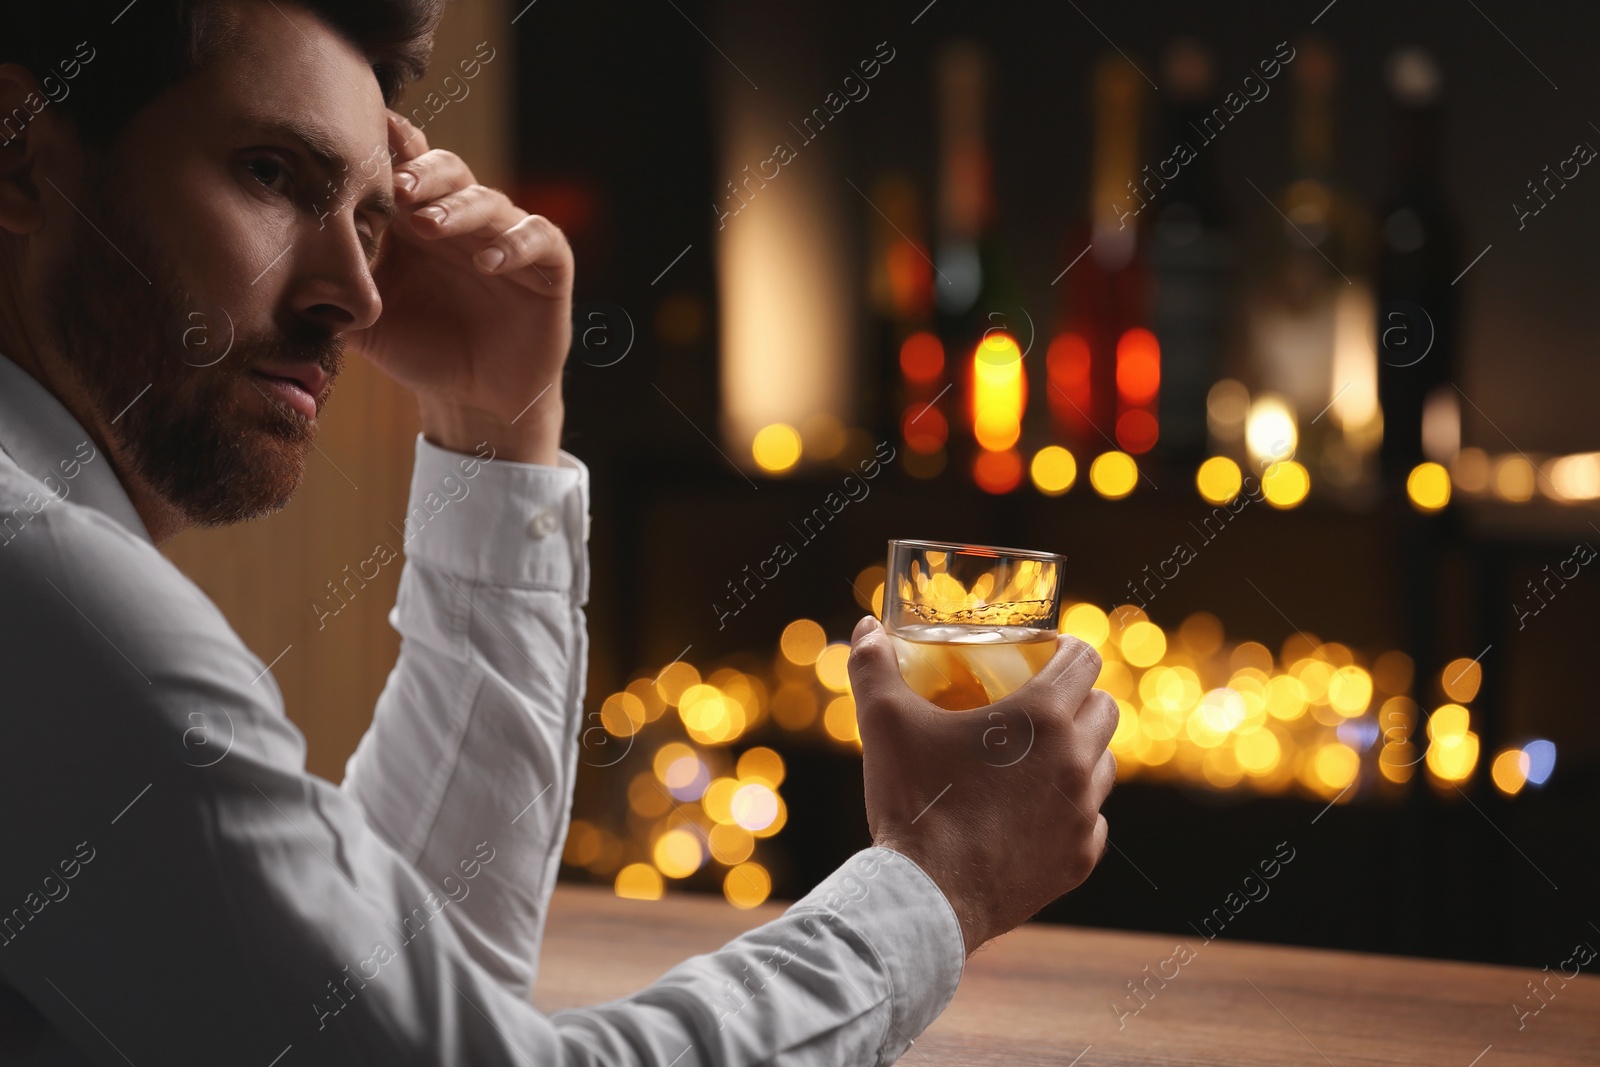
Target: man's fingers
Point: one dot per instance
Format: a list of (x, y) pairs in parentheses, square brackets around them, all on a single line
[(433, 174), (1104, 778), (1068, 676), (1097, 718), (406, 142)]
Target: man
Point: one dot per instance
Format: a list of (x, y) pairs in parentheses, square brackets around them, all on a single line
[(175, 887)]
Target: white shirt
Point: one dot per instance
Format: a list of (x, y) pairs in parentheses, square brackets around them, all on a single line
[(175, 888)]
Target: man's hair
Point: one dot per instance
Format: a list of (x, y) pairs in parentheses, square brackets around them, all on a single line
[(141, 48)]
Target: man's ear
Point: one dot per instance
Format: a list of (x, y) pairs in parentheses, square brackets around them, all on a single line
[(25, 125)]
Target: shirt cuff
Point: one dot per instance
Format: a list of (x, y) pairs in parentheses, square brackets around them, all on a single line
[(893, 905), (492, 520)]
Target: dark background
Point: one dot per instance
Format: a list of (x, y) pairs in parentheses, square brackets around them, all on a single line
[(617, 144)]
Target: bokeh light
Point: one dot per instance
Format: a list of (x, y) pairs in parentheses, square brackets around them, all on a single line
[(776, 448), (1113, 474), (802, 642), (1053, 470), (1219, 480), (1428, 487), (639, 881), (1285, 484), (747, 885), (678, 854)]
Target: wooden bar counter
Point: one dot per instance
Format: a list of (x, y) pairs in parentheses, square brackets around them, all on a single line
[(1043, 995)]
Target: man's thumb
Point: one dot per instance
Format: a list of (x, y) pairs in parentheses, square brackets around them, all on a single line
[(873, 666)]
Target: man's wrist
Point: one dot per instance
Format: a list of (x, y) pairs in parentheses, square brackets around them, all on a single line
[(973, 934), (534, 436)]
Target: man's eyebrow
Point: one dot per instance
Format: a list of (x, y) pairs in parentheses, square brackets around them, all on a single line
[(327, 156)]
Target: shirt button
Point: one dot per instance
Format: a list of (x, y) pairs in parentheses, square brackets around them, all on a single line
[(544, 524)]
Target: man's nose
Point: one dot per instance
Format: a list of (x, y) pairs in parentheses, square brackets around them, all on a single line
[(332, 282)]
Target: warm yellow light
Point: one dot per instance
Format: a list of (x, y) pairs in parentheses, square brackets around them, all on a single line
[(1514, 478), (1470, 471), (1453, 757), (674, 679), (832, 667), (731, 843), (999, 392), (622, 714), (776, 448), (1053, 470), (1127, 731), (839, 719), (1428, 486), (1270, 432), (638, 881), (1286, 697), (1219, 480), (747, 885), (678, 854), (802, 642), (1113, 474), (1350, 691), (869, 589), (1258, 752), (761, 763), (1285, 484), (1576, 477), (718, 799), (1510, 771), (1336, 765), (669, 754), (1087, 623), (1460, 679), (1222, 710), (1116, 679), (1449, 720), (1143, 644)]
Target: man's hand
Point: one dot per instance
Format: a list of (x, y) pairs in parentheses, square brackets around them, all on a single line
[(481, 345), (1000, 805)]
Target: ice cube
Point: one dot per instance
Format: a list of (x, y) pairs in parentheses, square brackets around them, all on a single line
[(1000, 669)]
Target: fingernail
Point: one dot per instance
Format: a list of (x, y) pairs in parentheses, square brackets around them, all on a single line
[(866, 626), (434, 213), (406, 181), (490, 258)]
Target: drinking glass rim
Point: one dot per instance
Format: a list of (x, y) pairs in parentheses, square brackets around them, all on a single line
[(996, 551)]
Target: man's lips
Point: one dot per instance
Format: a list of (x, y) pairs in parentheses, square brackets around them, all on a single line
[(298, 385)]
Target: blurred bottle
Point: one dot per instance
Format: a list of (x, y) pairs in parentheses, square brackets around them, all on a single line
[(1104, 290), (1421, 250), (1312, 317), (1190, 256), (976, 297), (911, 373)]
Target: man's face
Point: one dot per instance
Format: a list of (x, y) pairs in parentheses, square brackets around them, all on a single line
[(200, 297)]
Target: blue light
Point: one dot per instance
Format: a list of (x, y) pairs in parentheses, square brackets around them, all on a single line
[(1359, 734), (1541, 760)]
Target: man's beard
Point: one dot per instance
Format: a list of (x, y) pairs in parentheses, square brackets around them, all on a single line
[(195, 436)]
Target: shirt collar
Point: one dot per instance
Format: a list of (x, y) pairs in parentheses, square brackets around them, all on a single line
[(41, 437)]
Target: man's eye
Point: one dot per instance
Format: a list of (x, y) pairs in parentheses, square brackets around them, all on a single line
[(267, 171)]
